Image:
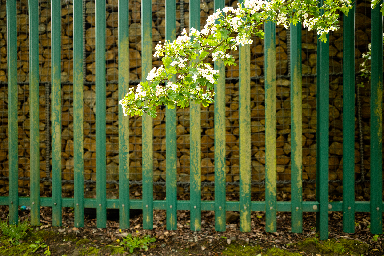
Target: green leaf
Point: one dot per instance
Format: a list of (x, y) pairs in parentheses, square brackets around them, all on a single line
[(166, 61)]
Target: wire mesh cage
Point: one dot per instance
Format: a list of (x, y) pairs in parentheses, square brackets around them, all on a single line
[(257, 73)]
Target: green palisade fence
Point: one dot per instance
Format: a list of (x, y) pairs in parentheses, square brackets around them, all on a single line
[(321, 205), (78, 113), (56, 120), (322, 135), (195, 138), (124, 121)]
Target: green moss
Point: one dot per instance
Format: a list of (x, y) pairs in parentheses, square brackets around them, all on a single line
[(278, 252), (333, 246), (244, 249), (115, 250), (90, 251), (27, 245), (21, 249), (82, 242)]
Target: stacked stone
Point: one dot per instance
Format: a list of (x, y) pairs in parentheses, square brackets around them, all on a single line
[(309, 59)]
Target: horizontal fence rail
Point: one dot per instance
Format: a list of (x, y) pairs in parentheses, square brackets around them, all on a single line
[(321, 205)]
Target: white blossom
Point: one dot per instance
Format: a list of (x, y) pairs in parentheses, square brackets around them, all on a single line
[(152, 74)]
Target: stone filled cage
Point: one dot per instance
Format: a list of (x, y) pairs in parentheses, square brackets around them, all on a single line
[(283, 115)]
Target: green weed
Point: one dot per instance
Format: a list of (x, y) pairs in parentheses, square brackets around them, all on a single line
[(37, 245), (132, 242), (14, 233)]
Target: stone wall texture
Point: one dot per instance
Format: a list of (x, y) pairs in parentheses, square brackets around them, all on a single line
[(309, 57)]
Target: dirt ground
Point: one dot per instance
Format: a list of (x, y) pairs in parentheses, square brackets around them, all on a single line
[(67, 240)]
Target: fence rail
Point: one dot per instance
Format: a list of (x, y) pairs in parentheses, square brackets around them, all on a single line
[(195, 205)]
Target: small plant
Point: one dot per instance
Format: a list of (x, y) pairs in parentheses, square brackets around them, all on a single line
[(15, 233), (375, 238), (47, 252), (131, 242), (37, 245)]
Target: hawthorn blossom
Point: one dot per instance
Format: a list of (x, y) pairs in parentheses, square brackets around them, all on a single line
[(208, 73), (194, 32), (172, 86), (139, 92), (212, 18), (159, 90), (227, 9), (238, 25), (152, 74)]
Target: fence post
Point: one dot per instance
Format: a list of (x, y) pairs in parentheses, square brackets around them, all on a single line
[(245, 138), (195, 138), (33, 7), (296, 130), (376, 121), (220, 136), (101, 191), (56, 112), (349, 122), (12, 112), (270, 124), (171, 154), (322, 138), (78, 115), (124, 202), (147, 166)]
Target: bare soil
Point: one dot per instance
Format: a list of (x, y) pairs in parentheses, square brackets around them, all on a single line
[(68, 240)]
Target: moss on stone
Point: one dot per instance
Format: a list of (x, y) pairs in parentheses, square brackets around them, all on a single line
[(242, 249), (333, 246)]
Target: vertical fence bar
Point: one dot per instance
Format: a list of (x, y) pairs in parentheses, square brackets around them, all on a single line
[(296, 130), (12, 112), (245, 138), (219, 137), (376, 121), (322, 135), (195, 135), (270, 125), (349, 122), (78, 112), (56, 112), (171, 154), (33, 7), (123, 42), (101, 191), (147, 166)]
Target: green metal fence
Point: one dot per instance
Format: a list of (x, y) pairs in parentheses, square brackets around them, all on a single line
[(322, 206)]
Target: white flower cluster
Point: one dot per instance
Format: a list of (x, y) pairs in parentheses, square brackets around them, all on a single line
[(172, 86), (124, 103), (220, 55), (243, 40), (255, 5), (184, 38), (282, 19), (180, 63), (159, 90), (212, 18), (159, 49), (139, 92), (194, 32), (224, 30), (207, 72), (155, 73)]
